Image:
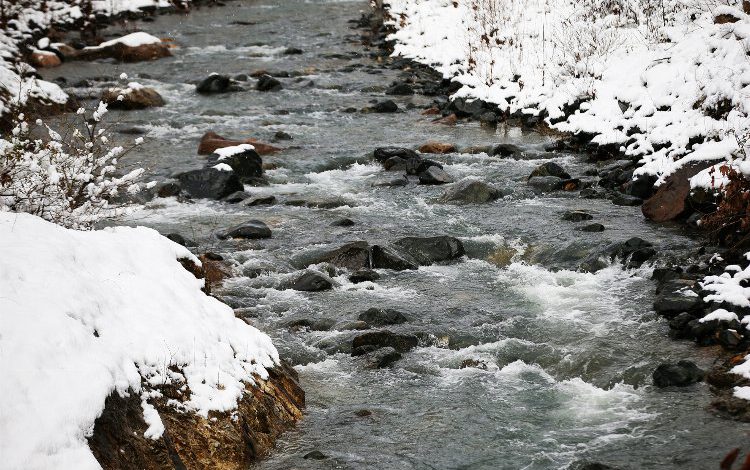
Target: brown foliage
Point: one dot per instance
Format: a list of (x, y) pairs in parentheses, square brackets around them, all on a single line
[(730, 224)]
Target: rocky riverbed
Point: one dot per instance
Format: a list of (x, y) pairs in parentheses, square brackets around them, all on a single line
[(455, 289)]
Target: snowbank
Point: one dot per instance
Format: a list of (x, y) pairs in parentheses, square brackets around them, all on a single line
[(87, 313), (669, 88)]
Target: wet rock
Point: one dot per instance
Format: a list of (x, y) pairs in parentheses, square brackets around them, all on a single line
[(311, 281), (416, 166), (593, 228), (636, 250), (383, 339), (236, 197), (123, 53), (352, 255), (471, 191), (216, 83), (384, 153), (464, 107), (430, 250), (244, 160), (550, 169), (382, 317), (180, 240), (363, 413), (325, 203), (669, 200), (344, 222), (642, 186), (545, 184), (252, 229), (364, 275), (400, 89), (323, 324), (681, 374), (395, 164), (449, 120), (259, 201), (386, 258), (488, 119), (586, 465), (674, 298), (315, 455), (382, 357), (168, 189), (132, 98), (387, 106), (729, 339), (211, 142), (680, 327), (209, 183), (392, 182), (434, 175), (577, 216), (508, 151), (268, 83), (437, 147), (626, 200), (293, 51), (44, 59), (281, 135)]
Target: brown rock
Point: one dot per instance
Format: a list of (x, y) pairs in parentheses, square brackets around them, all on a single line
[(450, 120), (44, 59), (431, 111), (215, 271), (68, 52), (124, 53), (437, 147), (221, 441), (132, 98), (725, 18), (212, 141), (669, 200)]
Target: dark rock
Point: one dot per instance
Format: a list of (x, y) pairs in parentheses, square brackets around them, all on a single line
[(268, 83), (680, 326), (252, 229), (545, 184), (642, 186), (324, 324), (132, 98), (311, 281), (395, 164), (488, 119), (676, 299), (550, 169), (180, 240), (586, 465), (463, 107), (473, 364), (259, 201), (434, 175), (352, 255), (364, 275), (593, 228), (293, 51), (247, 164), (209, 183), (389, 183), (241, 77), (383, 357), (507, 151), (729, 339), (281, 135), (626, 200), (384, 153), (577, 216), (400, 89), (415, 166), (636, 250), (169, 189), (387, 106), (429, 250), (382, 317), (315, 455), (669, 201), (382, 339), (342, 223), (471, 192), (386, 258), (215, 83), (236, 197), (681, 374)]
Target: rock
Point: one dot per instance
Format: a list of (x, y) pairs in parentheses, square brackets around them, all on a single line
[(473, 363), (449, 120), (293, 51), (252, 229), (265, 409), (215, 83), (311, 281), (384, 153), (545, 184), (509, 150), (364, 275), (386, 258), (382, 317), (382, 339), (236, 197), (729, 339), (674, 298), (215, 270), (434, 175), (345, 222), (550, 169), (211, 142), (593, 228), (352, 255), (168, 189), (324, 324), (119, 49), (394, 182), (577, 216), (415, 166), (130, 98), (464, 107), (281, 135), (471, 191), (437, 147), (636, 250), (315, 455), (259, 201), (669, 201), (387, 106), (642, 186), (383, 357), (586, 465), (268, 83), (209, 183), (180, 240), (400, 89), (626, 200), (681, 374), (44, 59), (488, 119), (430, 250), (244, 160)]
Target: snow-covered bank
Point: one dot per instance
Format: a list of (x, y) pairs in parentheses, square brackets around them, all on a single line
[(84, 314), (666, 83)]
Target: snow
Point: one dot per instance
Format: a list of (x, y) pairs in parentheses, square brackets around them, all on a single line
[(130, 40), (719, 315), (649, 85), (233, 150), (223, 167), (85, 314)]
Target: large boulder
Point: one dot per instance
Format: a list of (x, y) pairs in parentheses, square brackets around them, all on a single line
[(210, 183), (252, 229), (44, 59), (243, 159), (669, 201), (470, 191), (134, 96), (312, 281), (681, 374), (429, 250), (433, 175), (134, 47), (268, 83), (216, 83), (211, 141), (382, 317), (550, 169), (370, 341), (384, 153), (353, 256), (384, 257)]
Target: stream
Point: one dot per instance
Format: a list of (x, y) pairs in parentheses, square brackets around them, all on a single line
[(565, 357)]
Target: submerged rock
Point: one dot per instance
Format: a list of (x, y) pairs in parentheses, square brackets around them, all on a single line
[(577, 216), (471, 191), (311, 281), (550, 169), (209, 183), (681, 374), (545, 184), (364, 275), (382, 317), (429, 250), (216, 83), (382, 357), (268, 83), (252, 229), (363, 343), (434, 175)]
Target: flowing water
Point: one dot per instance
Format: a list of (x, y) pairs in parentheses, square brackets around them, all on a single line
[(568, 354)]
